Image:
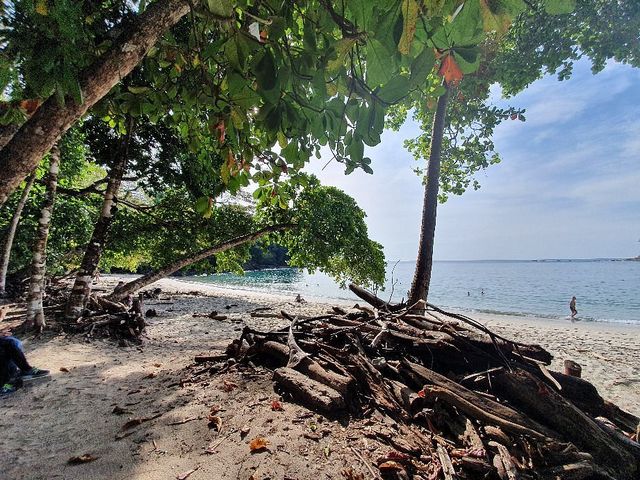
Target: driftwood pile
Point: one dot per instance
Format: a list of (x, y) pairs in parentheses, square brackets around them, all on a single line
[(105, 318), (465, 402)]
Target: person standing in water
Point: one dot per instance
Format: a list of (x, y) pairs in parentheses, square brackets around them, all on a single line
[(572, 306)]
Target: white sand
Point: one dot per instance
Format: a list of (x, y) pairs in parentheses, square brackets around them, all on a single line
[(46, 423)]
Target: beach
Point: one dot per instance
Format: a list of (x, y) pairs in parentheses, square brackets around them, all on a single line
[(97, 388)]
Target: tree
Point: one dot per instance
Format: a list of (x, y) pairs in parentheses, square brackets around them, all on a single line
[(35, 312), (539, 41), (39, 133), (325, 230), (88, 268), (422, 273), (321, 74), (11, 232)]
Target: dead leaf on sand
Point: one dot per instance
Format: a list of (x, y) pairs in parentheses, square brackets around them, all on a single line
[(215, 422), (117, 410), (258, 444), (64, 369), (276, 406), (150, 375), (86, 458), (390, 466), (185, 475), (228, 386), (351, 474), (244, 431)]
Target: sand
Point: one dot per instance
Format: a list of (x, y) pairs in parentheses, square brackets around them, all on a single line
[(71, 414)]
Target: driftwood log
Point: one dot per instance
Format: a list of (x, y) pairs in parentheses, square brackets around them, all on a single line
[(470, 403)]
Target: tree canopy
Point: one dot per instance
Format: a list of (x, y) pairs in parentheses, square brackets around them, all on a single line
[(264, 85)]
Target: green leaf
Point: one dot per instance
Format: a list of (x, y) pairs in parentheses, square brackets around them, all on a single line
[(362, 12), (394, 90), (466, 28), (378, 71), (265, 71), (355, 150), (467, 58), (342, 48), (559, 7), (221, 8), (233, 54), (409, 19), (203, 206), (422, 66)]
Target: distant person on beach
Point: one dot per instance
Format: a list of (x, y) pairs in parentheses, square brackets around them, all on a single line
[(572, 306), (14, 367), (299, 299)]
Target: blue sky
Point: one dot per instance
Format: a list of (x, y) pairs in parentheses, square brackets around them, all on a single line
[(568, 185)]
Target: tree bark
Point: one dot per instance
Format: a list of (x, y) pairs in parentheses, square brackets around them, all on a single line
[(89, 266), (35, 312), (8, 242), (149, 278), (7, 132), (37, 135), (422, 274)]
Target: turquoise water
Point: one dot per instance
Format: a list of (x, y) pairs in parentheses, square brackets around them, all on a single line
[(606, 290)]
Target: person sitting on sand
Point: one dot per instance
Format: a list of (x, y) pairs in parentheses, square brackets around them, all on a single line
[(299, 299), (14, 367), (572, 306)]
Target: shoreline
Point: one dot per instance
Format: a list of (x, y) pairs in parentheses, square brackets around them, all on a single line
[(478, 314)]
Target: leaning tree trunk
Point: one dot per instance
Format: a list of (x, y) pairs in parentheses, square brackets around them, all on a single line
[(8, 242), (7, 132), (35, 312), (190, 259), (89, 266), (422, 274), (37, 135)]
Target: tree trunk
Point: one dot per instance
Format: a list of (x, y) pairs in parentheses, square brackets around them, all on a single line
[(35, 312), (196, 257), (8, 242), (422, 274), (7, 132), (89, 266), (37, 135)]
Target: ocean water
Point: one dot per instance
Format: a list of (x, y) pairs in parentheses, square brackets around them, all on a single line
[(606, 290)]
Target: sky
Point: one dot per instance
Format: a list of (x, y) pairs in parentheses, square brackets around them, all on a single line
[(568, 185)]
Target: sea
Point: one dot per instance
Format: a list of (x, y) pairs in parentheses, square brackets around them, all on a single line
[(607, 290)]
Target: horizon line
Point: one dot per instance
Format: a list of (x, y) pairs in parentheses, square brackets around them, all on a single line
[(591, 259)]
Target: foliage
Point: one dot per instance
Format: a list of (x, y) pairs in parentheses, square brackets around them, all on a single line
[(266, 85), (172, 229), (539, 43), (471, 120), (331, 236), (48, 43), (267, 255), (72, 221)]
